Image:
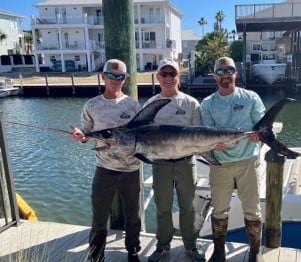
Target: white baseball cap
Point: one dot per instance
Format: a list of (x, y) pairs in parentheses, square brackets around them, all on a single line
[(168, 62)]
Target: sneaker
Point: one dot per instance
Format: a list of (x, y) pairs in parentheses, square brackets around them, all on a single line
[(196, 255), (157, 255), (133, 257)]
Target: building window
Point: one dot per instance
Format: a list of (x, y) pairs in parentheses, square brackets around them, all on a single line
[(256, 47), (13, 24), (77, 58)]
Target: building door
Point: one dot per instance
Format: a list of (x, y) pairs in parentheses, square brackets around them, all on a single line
[(98, 17), (66, 40)]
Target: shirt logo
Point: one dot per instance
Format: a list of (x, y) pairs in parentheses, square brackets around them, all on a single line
[(180, 112), (125, 116), (238, 107)]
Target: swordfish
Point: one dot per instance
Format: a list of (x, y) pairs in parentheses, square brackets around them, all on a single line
[(149, 142)]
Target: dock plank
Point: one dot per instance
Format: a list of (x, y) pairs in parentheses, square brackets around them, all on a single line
[(55, 242)]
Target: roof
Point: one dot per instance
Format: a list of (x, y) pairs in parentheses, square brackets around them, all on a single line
[(99, 2), (9, 13)]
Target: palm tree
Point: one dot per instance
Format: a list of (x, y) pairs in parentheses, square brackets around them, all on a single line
[(212, 46), (219, 17), (232, 34), (202, 22), (2, 36)]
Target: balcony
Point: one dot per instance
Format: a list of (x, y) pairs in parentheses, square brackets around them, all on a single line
[(67, 20)]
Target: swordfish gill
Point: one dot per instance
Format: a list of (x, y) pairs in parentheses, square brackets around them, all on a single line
[(149, 142)]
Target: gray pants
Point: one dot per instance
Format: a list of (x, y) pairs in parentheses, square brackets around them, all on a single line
[(105, 184), (167, 176)]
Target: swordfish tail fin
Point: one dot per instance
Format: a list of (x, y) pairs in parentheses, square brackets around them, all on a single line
[(264, 128)]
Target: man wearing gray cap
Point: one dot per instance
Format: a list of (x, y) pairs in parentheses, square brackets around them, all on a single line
[(175, 174), (110, 109), (234, 107)]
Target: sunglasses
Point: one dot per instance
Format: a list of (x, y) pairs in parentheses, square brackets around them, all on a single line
[(112, 76), (166, 74), (228, 71)]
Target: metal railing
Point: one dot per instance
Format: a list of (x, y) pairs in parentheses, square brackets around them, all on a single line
[(268, 10)]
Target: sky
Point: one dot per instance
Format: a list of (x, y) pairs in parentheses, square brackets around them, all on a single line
[(192, 11)]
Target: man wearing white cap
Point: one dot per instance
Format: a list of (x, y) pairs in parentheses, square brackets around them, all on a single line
[(179, 174), (234, 107), (112, 108)]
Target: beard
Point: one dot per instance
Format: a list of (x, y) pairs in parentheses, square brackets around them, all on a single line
[(226, 82)]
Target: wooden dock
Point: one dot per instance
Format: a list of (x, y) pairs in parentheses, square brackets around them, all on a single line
[(55, 242)]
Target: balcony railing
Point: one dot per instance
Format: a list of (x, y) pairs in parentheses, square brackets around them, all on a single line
[(149, 20), (68, 20), (268, 10), (156, 44)]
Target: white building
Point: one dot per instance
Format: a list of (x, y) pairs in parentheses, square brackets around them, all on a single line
[(73, 31), (189, 41), (11, 28)]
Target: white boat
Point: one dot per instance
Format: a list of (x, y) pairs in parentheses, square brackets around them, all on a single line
[(268, 70), (291, 215), (7, 88)]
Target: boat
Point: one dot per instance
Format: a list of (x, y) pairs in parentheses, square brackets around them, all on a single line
[(291, 216), (268, 69), (7, 88)]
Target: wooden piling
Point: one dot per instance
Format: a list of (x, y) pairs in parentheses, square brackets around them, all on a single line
[(273, 205), (120, 14)]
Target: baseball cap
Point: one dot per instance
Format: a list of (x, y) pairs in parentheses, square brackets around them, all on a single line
[(223, 62), (115, 66), (168, 62)]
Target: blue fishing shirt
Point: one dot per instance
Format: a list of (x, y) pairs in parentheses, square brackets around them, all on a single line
[(242, 109)]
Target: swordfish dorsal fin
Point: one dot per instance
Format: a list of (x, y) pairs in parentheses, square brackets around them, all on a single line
[(147, 114), (265, 125)]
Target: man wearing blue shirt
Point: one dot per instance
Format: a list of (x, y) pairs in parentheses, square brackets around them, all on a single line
[(234, 107)]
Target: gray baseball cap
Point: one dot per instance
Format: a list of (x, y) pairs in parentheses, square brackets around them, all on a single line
[(224, 62), (115, 66)]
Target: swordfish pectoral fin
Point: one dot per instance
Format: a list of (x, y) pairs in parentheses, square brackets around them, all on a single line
[(144, 159), (210, 157)]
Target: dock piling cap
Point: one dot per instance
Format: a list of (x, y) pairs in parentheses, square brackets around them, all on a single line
[(277, 127)]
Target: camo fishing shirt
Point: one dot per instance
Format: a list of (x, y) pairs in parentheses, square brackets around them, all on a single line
[(183, 110), (101, 113)]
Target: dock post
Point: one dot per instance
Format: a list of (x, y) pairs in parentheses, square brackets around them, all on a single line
[(47, 86), (273, 205), (99, 85), (73, 87), (153, 84)]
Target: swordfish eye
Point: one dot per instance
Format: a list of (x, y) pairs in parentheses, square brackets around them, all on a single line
[(106, 134)]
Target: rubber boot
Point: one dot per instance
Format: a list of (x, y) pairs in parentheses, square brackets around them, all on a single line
[(253, 229), (97, 244), (219, 231)]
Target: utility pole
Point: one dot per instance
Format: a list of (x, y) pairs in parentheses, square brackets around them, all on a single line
[(119, 37)]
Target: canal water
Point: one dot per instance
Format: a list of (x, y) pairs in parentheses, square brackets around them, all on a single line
[(53, 173)]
